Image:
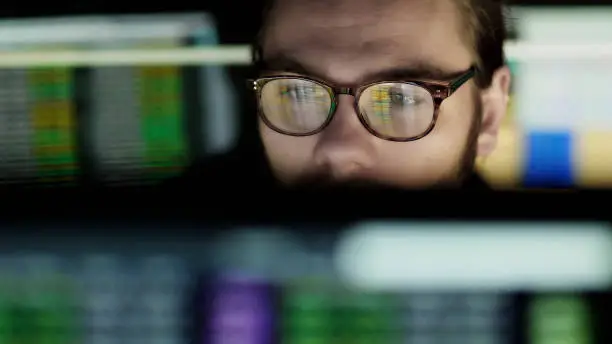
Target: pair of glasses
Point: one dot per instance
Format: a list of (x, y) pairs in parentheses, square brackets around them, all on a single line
[(398, 111)]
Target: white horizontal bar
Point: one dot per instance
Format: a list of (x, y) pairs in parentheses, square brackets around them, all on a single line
[(88, 29), (240, 55), (534, 52), (397, 257), (75, 34), (224, 55)]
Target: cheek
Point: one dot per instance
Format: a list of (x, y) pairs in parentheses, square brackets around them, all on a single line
[(288, 156), (450, 136), (433, 158), (454, 121)]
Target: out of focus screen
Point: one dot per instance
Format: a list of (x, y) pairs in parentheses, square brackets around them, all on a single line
[(371, 282), (111, 123)]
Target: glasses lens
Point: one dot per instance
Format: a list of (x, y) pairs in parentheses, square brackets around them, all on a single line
[(295, 106), (397, 110)]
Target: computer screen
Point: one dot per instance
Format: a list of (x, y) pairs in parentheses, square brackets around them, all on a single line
[(488, 283), (111, 124)]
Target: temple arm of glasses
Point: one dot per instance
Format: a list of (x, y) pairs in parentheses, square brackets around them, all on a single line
[(455, 84)]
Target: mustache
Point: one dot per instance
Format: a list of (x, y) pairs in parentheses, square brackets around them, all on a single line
[(324, 181)]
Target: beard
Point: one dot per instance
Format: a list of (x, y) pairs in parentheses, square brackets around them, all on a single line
[(463, 172), (323, 181), (466, 166)]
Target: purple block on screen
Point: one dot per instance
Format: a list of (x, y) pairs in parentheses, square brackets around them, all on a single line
[(239, 310)]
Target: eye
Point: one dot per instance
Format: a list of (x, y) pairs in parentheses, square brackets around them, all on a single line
[(401, 98), (299, 92)]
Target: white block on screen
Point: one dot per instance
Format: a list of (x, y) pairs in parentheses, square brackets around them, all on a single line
[(563, 92), (412, 256), (562, 25), (100, 29), (564, 95)]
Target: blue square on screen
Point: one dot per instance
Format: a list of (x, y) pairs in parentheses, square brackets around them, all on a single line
[(549, 160)]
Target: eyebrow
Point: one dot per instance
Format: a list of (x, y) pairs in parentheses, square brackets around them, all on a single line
[(419, 71), (412, 71), (283, 63)]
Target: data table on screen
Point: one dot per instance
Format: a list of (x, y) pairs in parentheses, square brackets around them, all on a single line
[(135, 302), (112, 298), (456, 317), (138, 120), (53, 119), (366, 318), (115, 123), (157, 301), (560, 319), (39, 114), (317, 316), (321, 314), (38, 303), (110, 124), (307, 315), (162, 116), (237, 309), (16, 131)]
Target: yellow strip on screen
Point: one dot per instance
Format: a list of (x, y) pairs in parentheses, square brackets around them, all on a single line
[(593, 159)]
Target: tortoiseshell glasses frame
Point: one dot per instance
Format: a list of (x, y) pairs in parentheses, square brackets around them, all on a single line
[(439, 91)]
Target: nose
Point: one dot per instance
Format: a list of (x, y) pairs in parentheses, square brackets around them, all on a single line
[(345, 148)]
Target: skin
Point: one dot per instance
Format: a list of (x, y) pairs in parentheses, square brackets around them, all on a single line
[(351, 42)]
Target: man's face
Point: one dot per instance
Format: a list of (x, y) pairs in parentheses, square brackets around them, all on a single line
[(352, 42)]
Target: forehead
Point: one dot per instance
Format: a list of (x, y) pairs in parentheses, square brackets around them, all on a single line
[(341, 39)]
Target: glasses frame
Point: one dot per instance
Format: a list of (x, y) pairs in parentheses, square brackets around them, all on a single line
[(439, 91)]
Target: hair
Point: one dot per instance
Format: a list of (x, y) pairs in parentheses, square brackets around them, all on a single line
[(486, 32)]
